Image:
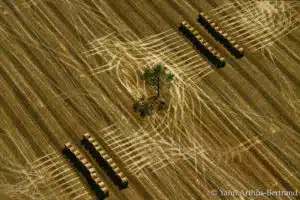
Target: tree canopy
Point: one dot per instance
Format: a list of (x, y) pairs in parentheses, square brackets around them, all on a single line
[(156, 78)]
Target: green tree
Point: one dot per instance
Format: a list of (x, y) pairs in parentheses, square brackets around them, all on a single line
[(155, 78)]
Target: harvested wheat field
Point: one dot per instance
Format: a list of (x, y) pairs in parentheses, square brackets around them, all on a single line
[(70, 76)]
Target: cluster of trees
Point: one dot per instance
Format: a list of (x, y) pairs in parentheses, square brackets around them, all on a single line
[(155, 78)]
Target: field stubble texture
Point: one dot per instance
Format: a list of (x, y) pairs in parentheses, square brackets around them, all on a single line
[(70, 67)]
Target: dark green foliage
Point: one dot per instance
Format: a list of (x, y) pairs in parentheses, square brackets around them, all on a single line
[(155, 78), (158, 69), (170, 76)]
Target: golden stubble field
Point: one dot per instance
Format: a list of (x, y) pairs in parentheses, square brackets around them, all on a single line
[(69, 67)]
